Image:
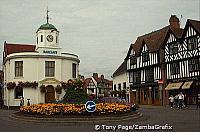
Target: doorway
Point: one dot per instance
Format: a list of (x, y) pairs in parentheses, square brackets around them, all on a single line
[(50, 94)]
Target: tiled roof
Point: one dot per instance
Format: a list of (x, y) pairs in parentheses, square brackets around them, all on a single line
[(154, 40), (195, 24), (86, 82), (121, 69), (17, 48)]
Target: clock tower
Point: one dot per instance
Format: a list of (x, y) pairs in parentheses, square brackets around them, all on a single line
[(47, 36)]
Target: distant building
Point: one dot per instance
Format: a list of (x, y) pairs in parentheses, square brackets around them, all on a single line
[(97, 86), (36, 71), (121, 86)]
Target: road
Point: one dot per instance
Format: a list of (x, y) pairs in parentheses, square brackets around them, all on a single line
[(185, 120)]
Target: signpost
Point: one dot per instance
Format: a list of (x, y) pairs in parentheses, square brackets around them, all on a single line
[(90, 106)]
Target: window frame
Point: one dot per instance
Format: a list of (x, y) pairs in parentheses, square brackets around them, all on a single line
[(149, 75), (194, 65), (74, 70), (175, 68), (18, 92), (18, 68), (192, 45), (145, 56), (50, 68)]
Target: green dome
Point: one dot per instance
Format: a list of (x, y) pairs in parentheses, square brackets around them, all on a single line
[(47, 26)]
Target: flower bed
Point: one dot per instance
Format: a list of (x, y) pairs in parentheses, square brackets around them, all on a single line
[(74, 109)]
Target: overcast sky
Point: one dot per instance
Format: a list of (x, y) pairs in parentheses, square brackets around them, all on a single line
[(98, 31)]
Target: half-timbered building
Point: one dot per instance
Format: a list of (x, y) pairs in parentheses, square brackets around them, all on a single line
[(145, 63), (182, 58)]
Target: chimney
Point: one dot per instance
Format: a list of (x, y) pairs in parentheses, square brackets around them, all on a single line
[(95, 75), (102, 77), (174, 22)]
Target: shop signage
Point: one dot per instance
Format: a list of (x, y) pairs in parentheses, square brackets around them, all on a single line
[(49, 52)]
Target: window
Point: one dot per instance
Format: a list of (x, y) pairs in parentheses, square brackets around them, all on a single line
[(49, 68), (18, 68), (73, 70), (115, 87), (192, 43), (137, 77), (175, 68), (149, 75), (194, 65), (145, 56), (18, 92), (124, 85), (130, 77), (41, 38), (56, 39), (37, 40), (173, 48), (119, 87), (133, 60)]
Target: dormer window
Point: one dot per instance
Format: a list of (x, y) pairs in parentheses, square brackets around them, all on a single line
[(173, 48), (192, 43), (145, 56)]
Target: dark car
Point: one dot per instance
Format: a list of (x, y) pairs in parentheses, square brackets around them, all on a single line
[(117, 100)]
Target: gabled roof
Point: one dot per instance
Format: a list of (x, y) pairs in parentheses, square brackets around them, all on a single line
[(17, 48), (154, 40), (86, 82), (195, 24), (120, 70)]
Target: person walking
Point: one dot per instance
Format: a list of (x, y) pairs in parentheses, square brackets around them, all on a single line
[(171, 101), (180, 98)]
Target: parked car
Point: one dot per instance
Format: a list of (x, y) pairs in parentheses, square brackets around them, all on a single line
[(118, 100)]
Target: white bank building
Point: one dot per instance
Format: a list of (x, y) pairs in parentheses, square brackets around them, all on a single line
[(36, 72)]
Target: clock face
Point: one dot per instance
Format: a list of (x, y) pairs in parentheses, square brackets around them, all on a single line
[(50, 38)]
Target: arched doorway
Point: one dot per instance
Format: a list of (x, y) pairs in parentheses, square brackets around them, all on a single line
[(50, 94)]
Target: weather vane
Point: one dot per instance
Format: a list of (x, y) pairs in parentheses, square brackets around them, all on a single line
[(47, 15)]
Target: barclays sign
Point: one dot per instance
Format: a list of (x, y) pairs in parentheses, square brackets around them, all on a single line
[(49, 52)]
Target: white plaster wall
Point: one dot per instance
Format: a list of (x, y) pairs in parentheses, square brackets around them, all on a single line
[(120, 79), (34, 70)]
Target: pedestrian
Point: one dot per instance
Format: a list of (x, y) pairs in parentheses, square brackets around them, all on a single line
[(176, 101), (171, 101), (198, 101), (180, 100), (186, 100)]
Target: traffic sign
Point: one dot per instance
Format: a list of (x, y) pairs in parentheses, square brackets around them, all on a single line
[(90, 106)]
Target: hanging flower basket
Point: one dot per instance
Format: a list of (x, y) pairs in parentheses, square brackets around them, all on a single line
[(28, 84), (42, 89), (11, 85), (58, 89)]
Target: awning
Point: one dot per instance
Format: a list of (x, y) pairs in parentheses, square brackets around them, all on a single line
[(172, 86), (187, 85)]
